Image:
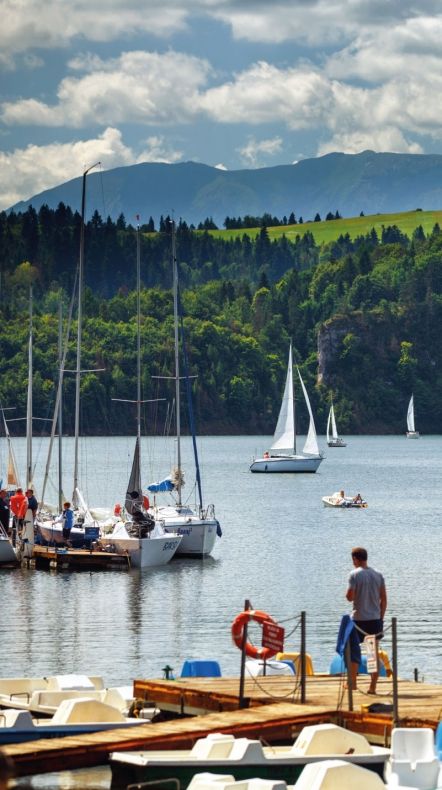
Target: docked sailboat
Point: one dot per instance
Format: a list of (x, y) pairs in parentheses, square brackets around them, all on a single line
[(333, 438), (282, 456), (412, 433), (138, 534), (198, 526), (85, 526)]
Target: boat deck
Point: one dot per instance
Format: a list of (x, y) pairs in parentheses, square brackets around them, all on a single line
[(67, 559), (267, 718)]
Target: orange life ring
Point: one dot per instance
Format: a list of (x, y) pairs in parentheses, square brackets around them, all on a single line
[(238, 631), (146, 503)]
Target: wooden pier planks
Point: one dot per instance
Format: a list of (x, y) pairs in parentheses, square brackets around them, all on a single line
[(50, 557)]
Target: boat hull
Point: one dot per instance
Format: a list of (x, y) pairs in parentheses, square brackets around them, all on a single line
[(7, 553), (330, 501), (127, 769), (145, 552), (336, 443), (413, 435), (286, 463), (198, 534)]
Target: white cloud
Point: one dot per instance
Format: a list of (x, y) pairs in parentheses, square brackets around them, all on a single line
[(31, 24), (386, 139), (144, 87), (254, 150), (26, 172)]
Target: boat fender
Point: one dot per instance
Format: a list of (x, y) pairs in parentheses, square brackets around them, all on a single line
[(146, 503), (238, 630), (117, 509)]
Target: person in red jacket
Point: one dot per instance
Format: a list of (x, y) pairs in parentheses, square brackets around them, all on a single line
[(18, 504)]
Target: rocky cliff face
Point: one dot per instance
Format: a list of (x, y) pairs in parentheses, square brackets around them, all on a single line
[(330, 337)]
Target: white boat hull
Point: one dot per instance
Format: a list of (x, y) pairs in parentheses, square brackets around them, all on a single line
[(7, 552), (413, 435), (157, 549), (286, 463), (198, 534), (330, 501), (336, 443)]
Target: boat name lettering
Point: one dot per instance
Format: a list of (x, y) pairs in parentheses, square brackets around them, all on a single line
[(170, 545), (182, 531)]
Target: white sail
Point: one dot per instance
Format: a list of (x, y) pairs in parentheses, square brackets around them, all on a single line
[(410, 416), (284, 438), (311, 444), (328, 425), (333, 423)]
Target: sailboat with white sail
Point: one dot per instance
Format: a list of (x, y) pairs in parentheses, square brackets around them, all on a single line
[(197, 525), (282, 456), (145, 541), (333, 438), (412, 433)]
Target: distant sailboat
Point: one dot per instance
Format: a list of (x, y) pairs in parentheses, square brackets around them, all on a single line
[(282, 456), (333, 439), (411, 431)]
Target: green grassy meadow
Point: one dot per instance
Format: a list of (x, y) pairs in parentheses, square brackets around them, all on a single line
[(330, 230)]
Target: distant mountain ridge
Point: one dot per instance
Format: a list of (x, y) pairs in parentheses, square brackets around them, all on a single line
[(349, 183)]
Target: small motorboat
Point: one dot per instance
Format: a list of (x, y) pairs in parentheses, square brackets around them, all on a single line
[(340, 500), (72, 717), (222, 753)]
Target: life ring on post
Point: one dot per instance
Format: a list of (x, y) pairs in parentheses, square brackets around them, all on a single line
[(238, 631)]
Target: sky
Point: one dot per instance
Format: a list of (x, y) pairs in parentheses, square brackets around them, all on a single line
[(230, 83)]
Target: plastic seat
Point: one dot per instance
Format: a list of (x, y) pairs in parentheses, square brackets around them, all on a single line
[(413, 760), (201, 669), (337, 666), (439, 740), (296, 658)]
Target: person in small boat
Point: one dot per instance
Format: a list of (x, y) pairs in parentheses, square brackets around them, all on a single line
[(367, 592), (266, 454), (357, 499), (339, 497)]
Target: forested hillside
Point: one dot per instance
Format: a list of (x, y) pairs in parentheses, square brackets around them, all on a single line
[(365, 317)]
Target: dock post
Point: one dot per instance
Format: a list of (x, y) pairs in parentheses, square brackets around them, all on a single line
[(243, 702), (303, 644), (349, 678), (395, 671)]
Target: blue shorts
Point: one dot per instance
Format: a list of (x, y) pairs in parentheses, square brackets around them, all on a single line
[(369, 627)]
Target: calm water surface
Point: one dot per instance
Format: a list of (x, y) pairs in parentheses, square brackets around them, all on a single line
[(281, 548)]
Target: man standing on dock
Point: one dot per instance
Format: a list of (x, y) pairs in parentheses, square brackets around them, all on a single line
[(366, 590)]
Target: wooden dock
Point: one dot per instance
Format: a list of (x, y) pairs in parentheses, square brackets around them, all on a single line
[(66, 559), (274, 715)]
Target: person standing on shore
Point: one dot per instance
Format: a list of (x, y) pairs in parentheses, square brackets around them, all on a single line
[(368, 594)]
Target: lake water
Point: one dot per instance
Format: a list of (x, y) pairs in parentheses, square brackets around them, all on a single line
[(281, 549)]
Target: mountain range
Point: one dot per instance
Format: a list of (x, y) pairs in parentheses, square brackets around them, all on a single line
[(368, 182)]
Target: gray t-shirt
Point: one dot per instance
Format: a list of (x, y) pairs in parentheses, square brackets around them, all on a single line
[(366, 584)]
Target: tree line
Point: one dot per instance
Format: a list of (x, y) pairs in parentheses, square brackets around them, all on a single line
[(371, 308)]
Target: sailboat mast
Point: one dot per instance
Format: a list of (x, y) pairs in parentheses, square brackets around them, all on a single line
[(293, 399), (60, 407), (29, 401), (79, 331), (177, 362), (138, 338)]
